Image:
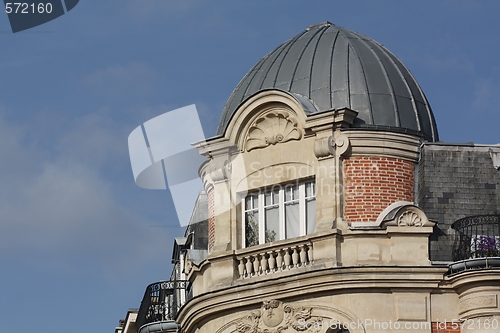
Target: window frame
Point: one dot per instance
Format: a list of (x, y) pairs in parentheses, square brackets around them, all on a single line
[(302, 199)]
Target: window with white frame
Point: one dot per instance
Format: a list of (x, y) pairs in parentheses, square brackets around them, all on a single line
[(281, 212)]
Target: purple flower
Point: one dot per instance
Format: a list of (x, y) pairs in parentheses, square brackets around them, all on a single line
[(486, 243)]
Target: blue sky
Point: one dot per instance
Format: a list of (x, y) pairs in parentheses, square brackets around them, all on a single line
[(79, 241)]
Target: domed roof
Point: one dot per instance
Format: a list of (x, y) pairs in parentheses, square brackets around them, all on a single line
[(334, 68)]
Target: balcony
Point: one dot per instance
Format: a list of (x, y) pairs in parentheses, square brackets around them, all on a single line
[(160, 305), (477, 243), (276, 257)]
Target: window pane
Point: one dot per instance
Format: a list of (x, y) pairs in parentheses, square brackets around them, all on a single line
[(269, 199), (310, 189), (288, 193), (291, 192), (255, 201), (248, 202), (311, 216), (272, 224), (292, 220), (276, 196), (251, 228)]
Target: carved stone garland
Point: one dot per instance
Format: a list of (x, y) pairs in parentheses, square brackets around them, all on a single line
[(270, 129), (276, 317)]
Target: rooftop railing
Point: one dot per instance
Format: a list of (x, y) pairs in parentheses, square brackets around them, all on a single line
[(161, 302), (477, 243)]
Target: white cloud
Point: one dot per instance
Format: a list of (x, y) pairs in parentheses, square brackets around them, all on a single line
[(486, 95), (452, 63), (93, 139), (62, 211), (135, 78)]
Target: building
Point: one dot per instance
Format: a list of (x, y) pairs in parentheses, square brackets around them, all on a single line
[(332, 207)]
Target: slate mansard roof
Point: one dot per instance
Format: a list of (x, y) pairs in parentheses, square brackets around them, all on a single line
[(333, 68)]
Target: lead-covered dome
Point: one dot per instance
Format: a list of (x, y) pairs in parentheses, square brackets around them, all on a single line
[(334, 68)]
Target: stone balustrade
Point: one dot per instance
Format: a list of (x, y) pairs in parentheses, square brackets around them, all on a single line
[(263, 260)]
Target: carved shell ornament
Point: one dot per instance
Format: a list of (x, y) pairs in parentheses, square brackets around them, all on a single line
[(271, 129), (410, 219)]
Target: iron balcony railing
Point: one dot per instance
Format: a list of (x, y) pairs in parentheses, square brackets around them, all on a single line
[(161, 302), (477, 237)]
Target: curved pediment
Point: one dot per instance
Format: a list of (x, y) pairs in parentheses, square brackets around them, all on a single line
[(400, 214), (269, 118)]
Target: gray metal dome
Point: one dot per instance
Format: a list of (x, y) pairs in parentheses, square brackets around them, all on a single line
[(334, 68)]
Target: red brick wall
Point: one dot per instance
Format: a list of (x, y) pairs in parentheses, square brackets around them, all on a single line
[(373, 183), (445, 327), (211, 219)]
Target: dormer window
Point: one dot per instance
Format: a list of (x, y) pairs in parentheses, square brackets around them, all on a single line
[(280, 212)]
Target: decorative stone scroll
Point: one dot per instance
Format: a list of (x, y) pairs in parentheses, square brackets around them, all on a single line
[(271, 129), (220, 170), (325, 147), (277, 317)]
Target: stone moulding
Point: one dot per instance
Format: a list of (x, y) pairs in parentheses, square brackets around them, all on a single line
[(270, 129), (478, 302)]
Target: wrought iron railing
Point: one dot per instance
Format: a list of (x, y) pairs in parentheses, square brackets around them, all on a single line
[(476, 237), (161, 302)]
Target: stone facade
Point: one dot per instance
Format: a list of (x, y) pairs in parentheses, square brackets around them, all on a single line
[(366, 269), (366, 266)]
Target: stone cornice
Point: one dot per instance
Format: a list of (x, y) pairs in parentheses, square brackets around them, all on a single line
[(317, 282), (365, 142), (331, 120), (464, 279), (215, 146)]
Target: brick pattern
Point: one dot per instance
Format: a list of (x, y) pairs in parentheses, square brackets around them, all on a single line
[(211, 220), (373, 183), (445, 327), (455, 182)]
